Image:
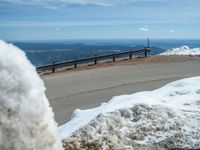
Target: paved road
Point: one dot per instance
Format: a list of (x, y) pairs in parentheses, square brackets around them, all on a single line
[(89, 88)]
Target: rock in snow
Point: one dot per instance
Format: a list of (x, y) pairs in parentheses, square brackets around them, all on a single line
[(26, 119), (166, 118)]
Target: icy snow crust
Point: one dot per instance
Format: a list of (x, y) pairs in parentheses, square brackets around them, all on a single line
[(26, 119), (184, 50), (168, 117)]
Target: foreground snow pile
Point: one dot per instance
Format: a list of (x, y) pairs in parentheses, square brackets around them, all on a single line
[(26, 120), (166, 118), (184, 50)]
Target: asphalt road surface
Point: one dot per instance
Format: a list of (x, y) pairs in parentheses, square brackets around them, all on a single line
[(89, 88)]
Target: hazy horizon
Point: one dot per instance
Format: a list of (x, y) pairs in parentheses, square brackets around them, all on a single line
[(99, 40)]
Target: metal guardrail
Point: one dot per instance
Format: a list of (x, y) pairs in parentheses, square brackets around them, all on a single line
[(94, 59)]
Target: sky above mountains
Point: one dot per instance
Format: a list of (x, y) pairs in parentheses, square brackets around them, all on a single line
[(99, 19)]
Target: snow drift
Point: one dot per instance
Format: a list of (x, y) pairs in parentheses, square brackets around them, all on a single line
[(166, 118), (26, 119), (184, 50)]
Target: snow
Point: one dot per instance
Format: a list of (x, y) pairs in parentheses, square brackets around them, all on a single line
[(169, 116), (26, 119), (184, 50)]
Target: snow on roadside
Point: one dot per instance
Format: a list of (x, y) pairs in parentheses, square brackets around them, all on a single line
[(168, 117), (26, 119), (184, 50)]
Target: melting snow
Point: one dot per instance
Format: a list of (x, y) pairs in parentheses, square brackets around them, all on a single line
[(166, 117), (26, 119), (184, 50)]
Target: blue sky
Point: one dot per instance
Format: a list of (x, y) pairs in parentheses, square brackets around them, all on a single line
[(99, 19)]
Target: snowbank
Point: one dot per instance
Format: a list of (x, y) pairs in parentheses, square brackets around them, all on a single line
[(168, 117), (184, 50), (26, 119)]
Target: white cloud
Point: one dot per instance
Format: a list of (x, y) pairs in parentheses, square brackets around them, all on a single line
[(57, 3), (57, 24), (145, 29), (171, 31), (57, 29)]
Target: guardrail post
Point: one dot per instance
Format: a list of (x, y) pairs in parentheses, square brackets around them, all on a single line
[(95, 60), (53, 67), (75, 63), (130, 55), (145, 52), (113, 57)]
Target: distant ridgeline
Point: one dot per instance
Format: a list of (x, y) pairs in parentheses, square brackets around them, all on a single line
[(45, 53)]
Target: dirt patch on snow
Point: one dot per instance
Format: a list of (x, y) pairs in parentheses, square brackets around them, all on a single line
[(139, 127)]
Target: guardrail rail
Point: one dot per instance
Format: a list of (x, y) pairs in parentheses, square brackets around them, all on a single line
[(94, 59)]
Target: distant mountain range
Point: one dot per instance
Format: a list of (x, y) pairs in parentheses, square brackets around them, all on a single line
[(45, 53), (83, 47)]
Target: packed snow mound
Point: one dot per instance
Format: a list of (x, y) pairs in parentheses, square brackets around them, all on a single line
[(184, 50), (26, 119), (166, 118)]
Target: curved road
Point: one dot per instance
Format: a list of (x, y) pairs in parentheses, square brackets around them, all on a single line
[(89, 88)]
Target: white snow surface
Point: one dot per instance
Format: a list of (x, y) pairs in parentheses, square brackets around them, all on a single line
[(26, 119), (170, 112), (183, 50)]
